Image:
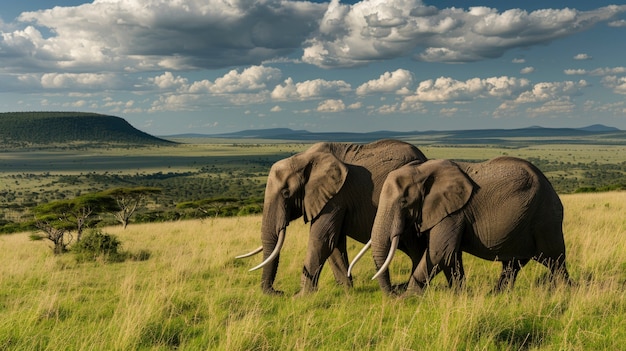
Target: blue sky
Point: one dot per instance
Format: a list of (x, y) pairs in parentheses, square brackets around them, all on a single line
[(215, 66)]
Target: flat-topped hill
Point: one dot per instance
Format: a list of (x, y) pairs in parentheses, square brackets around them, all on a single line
[(34, 129)]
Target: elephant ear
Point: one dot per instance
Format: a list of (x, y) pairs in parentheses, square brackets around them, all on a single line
[(446, 190), (325, 175)]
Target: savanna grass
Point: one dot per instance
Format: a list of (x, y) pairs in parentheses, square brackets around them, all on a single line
[(191, 294)]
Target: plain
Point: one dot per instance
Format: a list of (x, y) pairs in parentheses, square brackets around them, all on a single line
[(192, 295)]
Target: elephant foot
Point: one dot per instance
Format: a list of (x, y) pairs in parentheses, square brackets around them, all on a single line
[(414, 288), (399, 289), (303, 293), (411, 292), (347, 284)]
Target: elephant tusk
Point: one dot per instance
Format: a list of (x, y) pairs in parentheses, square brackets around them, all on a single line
[(358, 256), (274, 254), (392, 250), (251, 253)]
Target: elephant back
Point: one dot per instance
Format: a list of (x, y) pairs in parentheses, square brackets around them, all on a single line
[(378, 159)]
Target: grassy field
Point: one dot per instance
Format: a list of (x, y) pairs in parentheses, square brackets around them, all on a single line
[(191, 294)]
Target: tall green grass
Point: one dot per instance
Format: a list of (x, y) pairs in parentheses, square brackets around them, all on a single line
[(193, 295)]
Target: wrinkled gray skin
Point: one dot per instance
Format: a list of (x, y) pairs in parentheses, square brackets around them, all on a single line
[(335, 187), (503, 209)]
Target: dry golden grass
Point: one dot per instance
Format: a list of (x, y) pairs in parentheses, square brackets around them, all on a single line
[(191, 294)]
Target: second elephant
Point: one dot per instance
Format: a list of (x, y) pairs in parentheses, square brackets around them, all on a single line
[(503, 209)]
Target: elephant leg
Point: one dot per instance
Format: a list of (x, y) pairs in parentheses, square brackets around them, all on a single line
[(557, 267), (323, 239), (339, 263), (551, 244), (510, 269), (414, 245), (425, 271), (443, 253), (455, 274)]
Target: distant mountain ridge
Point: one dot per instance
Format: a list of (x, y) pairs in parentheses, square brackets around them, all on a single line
[(60, 129), (599, 128), (21, 129), (469, 136)]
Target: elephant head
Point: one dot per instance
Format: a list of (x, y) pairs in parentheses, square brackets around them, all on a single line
[(297, 186), (415, 194)]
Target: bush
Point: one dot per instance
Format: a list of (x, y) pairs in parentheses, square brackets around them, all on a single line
[(97, 244)]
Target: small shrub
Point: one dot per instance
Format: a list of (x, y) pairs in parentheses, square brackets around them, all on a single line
[(97, 244)]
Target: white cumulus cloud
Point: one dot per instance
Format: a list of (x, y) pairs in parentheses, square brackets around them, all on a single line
[(374, 30), (251, 79), (545, 91), (331, 105), (86, 80), (310, 89), (397, 81), (618, 23), (139, 35), (572, 72), (598, 71), (559, 106), (168, 81), (617, 84), (448, 89)]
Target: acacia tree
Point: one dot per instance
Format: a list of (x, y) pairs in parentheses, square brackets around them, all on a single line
[(54, 230), (128, 199), (73, 214)]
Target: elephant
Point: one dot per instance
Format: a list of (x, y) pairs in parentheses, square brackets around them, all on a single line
[(503, 209), (335, 187)]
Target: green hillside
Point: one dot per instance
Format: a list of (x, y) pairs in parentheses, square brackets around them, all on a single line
[(34, 129)]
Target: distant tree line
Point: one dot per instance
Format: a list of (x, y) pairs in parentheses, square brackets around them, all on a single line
[(165, 197), (229, 189), (240, 181), (568, 177)]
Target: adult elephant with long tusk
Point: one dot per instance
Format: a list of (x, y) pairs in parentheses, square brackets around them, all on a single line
[(335, 187)]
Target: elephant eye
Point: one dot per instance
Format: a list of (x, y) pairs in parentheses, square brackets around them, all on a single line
[(285, 193)]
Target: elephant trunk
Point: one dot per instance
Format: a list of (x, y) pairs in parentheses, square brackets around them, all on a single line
[(277, 247), (383, 247), (392, 251), (273, 230)]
